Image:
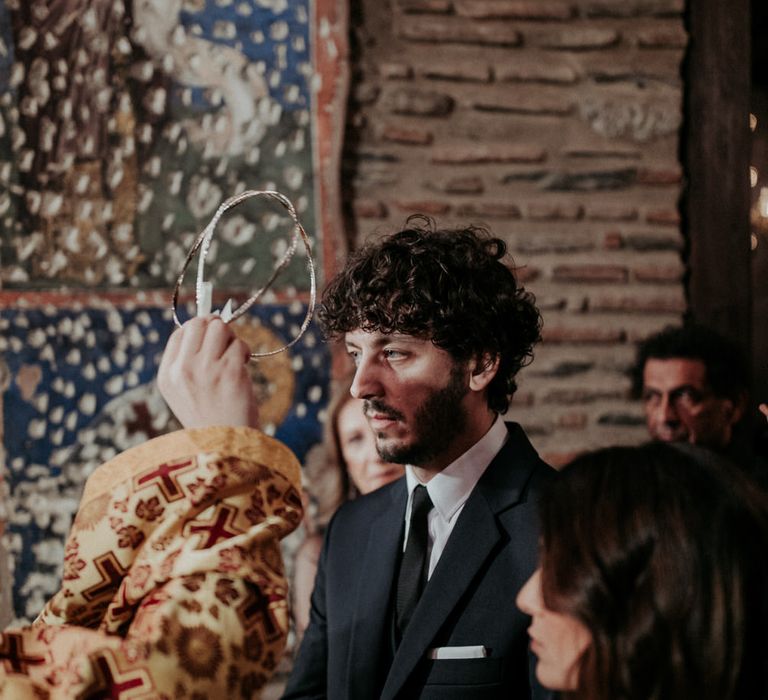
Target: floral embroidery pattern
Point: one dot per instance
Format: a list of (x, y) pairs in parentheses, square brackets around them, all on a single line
[(143, 607), (73, 565), (199, 651), (149, 509), (129, 536)]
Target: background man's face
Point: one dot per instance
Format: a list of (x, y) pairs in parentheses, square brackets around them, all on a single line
[(681, 407)]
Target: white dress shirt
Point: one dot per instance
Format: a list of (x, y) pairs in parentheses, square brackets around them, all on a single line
[(450, 489)]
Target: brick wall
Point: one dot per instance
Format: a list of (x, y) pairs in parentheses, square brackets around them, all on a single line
[(556, 125)]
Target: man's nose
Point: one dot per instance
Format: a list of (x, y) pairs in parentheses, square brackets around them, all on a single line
[(667, 411), (365, 383)]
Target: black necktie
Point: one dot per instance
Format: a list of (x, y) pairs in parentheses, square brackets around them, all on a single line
[(414, 565)]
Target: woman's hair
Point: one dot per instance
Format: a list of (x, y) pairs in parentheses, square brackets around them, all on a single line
[(328, 481), (662, 553)]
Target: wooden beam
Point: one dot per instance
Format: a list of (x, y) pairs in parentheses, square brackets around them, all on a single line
[(716, 153)]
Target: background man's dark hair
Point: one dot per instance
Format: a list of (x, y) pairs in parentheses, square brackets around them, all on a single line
[(727, 373), (448, 286)]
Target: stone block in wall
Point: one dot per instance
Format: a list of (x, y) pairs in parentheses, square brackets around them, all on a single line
[(551, 302), (523, 102), (541, 243), (523, 398), (365, 93), (535, 428), (582, 395), (671, 303), (514, 9), (574, 420), (417, 102), (424, 6), (554, 211), (663, 176), (376, 155), (523, 176), (481, 152), (470, 184), (408, 135), (395, 71), (375, 175), (533, 67), (634, 117), (610, 150), (527, 273), (643, 241), (590, 181), (613, 240), (488, 210), (460, 31), (661, 68), (590, 273), (460, 71), (562, 369), (663, 217), (616, 9), (574, 38), (659, 273), (672, 36), (611, 212), (369, 209), (423, 206), (582, 334), (621, 418)]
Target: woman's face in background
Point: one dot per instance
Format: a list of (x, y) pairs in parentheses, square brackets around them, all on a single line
[(358, 448), (558, 640)]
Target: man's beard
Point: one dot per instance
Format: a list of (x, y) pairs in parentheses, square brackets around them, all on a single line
[(436, 421)]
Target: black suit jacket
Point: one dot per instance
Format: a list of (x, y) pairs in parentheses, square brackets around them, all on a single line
[(468, 601)]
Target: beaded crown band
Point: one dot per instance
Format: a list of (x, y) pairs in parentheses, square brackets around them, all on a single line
[(203, 289)]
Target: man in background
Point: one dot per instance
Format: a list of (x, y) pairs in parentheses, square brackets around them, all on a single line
[(694, 386)]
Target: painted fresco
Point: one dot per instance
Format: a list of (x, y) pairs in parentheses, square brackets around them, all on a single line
[(126, 124), (123, 126)]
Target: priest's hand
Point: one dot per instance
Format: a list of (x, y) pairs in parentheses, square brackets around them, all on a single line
[(764, 409), (204, 376)]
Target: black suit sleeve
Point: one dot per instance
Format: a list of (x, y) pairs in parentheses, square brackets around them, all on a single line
[(309, 675)]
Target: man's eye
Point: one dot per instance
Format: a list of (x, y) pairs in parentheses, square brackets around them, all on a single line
[(355, 355), (687, 397), (393, 354)]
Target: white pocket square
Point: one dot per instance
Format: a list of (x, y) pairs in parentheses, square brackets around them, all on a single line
[(470, 652)]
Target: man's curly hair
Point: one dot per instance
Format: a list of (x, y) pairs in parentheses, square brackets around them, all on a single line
[(449, 286)]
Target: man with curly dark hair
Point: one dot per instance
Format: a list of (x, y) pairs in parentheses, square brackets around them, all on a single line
[(414, 590)]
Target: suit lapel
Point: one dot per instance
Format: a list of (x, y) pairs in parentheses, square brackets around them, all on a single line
[(471, 543), (369, 639)]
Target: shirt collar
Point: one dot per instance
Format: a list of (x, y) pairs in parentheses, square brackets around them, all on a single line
[(450, 489)]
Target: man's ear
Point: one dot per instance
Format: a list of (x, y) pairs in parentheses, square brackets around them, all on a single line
[(737, 407), (482, 371)]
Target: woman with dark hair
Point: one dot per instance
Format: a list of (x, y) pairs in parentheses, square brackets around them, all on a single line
[(653, 580)]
